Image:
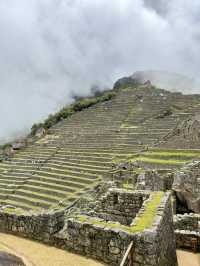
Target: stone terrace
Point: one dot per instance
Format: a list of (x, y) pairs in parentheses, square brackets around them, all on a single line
[(79, 151)]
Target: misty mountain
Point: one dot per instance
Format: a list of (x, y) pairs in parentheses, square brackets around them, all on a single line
[(167, 80), (52, 50)]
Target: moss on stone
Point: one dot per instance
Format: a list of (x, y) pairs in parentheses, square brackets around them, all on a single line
[(128, 185), (142, 222)]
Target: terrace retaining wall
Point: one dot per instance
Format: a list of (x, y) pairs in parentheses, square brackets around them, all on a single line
[(34, 226)]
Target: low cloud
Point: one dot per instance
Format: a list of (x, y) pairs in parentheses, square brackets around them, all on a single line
[(53, 49)]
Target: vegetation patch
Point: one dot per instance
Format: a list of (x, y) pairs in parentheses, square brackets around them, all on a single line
[(160, 161), (172, 157)]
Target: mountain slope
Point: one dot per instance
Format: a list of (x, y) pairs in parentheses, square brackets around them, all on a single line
[(79, 151)]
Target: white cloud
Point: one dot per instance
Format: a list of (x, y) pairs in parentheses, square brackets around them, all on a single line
[(51, 48)]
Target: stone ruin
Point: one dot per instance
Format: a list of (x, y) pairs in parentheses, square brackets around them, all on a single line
[(121, 217), (185, 186)]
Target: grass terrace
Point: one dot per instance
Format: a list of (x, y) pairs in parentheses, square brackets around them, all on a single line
[(168, 158)]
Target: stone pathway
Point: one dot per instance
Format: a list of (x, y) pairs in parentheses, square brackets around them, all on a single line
[(188, 258), (36, 254)]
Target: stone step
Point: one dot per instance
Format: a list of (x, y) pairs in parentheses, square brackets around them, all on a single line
[(42, 183), (21, 205), (44, 190), (37, 195), (67, 164), (31, 202)]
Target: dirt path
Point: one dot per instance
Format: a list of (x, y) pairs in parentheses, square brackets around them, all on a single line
[(188, 258), (36, 254)]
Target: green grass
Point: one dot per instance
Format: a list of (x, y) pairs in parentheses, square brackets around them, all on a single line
[(127, 185), (147, 218), (171, 157), (142, 222), (16, 211), (126, 125), (174, 154), (160, 161)]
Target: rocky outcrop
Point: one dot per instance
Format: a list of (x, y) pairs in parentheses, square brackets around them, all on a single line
[(167, 80), (187, 186), (7, 259), (185, 135), (187, 231), (125, 82), (187, 129)]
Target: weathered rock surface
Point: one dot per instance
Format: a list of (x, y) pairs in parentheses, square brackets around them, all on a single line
[(7, 259), (126, 81), (187, 186), (186, 135), (188, 129)]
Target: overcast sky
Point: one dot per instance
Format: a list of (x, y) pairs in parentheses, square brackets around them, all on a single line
[(52, 49)]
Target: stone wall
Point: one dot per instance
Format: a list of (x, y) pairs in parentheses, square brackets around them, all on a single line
[(35, 226), (187, 231), (120, 205), (156, 246), (108, 241), (187, 221), (152, 180), (165, 238)]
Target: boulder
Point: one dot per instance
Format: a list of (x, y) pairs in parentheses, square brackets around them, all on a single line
[(7, 259), (18, 145), (125, 82), (40, 132), (187, 186)]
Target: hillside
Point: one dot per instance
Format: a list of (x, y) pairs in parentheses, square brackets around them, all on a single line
[(77, 152)]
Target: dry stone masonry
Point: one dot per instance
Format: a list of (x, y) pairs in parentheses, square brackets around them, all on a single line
[(120, 205), (154, 244), (34, 226), (187, 230)]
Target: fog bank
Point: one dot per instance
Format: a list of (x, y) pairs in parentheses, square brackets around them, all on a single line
[(51, 50)]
